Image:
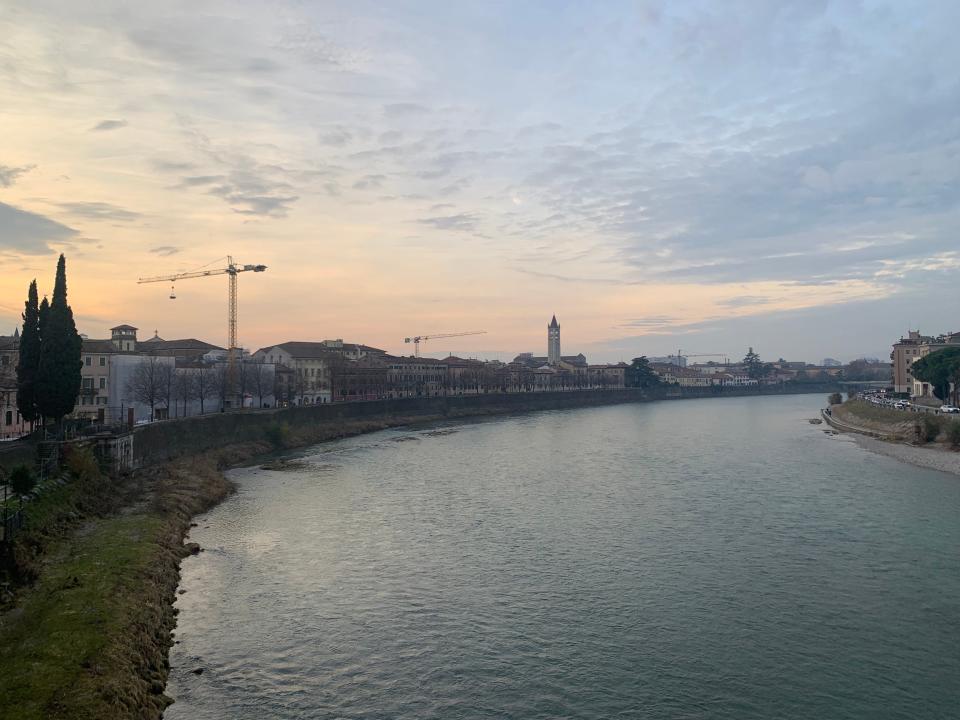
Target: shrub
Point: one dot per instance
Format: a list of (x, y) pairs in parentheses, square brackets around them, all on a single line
[(81, 464), (835, 399), (930, 428), (22, 480), (953, 433), (278, 434)]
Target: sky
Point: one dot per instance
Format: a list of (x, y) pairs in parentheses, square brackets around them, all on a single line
[(695, 176)]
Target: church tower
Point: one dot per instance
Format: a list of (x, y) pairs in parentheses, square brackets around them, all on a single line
[(553, 342)]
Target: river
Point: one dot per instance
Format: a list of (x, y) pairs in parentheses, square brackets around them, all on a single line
[(717, 558)]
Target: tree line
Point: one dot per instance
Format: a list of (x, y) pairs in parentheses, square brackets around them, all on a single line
[(941, 369), (48, 369), (158, 382)]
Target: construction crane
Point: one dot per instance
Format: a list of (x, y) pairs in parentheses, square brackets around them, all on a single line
[(726, 360), (418, 338), (231, 270)]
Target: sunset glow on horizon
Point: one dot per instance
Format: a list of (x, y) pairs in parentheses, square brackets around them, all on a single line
[(658, 176)]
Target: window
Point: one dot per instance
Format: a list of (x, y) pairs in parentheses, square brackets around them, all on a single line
[(9, 417), (87, 361), (103, 383), (87, 383), (103, 361)]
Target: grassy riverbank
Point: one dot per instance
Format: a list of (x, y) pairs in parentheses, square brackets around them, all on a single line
[(887, 422), (89, 637)]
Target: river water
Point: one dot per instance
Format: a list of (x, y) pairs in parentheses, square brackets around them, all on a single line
[(714, 558)]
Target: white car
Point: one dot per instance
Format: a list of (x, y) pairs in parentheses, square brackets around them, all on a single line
[(951, 409)]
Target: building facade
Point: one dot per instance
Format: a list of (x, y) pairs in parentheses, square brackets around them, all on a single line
[(11, 424), (911, 348)]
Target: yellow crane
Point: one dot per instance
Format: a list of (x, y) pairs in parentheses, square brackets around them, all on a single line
[(231, 271), (417, 339)]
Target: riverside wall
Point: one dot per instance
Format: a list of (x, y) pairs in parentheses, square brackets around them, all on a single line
[(170, 439)]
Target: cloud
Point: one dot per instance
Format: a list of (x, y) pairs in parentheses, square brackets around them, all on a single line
[(105, 125), (173, 166), (369, 182), (655, 322), (26, 232), (99, 211), (403, 110), (165, 250), (463, 222), (250, 193), (745, 301), (336, 137), (9, 174), (200, 180)]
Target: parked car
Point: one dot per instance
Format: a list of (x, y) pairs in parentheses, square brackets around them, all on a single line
[(951, 409)]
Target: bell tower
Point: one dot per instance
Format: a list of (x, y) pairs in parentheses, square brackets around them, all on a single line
[(553, 342)]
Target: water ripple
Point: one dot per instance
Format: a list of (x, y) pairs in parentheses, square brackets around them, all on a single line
[(715, 559)]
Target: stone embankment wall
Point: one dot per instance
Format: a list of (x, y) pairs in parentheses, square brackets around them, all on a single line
[(175, 438)]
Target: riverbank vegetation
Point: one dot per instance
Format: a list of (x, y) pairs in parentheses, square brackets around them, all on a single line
[(98, 567), (892, 424)]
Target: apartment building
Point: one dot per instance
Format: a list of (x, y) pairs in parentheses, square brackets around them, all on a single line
[(908, 350)]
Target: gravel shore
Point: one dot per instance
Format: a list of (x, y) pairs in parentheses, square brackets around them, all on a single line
[(934, 458)]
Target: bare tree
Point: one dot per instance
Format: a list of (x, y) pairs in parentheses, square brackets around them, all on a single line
[(147, 383), (282, 386), (203, 384), (167, 375), (261, 378), (242, 377), (223, 382), (184, 387)]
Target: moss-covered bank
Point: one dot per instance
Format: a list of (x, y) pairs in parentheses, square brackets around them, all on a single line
[(89, 637)]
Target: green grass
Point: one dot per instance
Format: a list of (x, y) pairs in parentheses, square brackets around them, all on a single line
[(870, 411), (51, 648)]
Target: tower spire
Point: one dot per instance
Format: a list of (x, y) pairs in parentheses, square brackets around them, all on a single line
[(553, 342)]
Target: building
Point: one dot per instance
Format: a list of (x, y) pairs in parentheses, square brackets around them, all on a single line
[(353, 351), (908, 350), (364, 379), (682, 376), (312, 364), (553, 342), (96, 356), (830, 362), (416, 377), (610, 375), (678, 360), (11, 424), (124, 337)]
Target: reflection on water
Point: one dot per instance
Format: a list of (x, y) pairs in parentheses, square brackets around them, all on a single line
[(696, 559)]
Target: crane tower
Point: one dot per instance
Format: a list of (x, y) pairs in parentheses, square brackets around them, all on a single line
[(417, 339), (231, 271)]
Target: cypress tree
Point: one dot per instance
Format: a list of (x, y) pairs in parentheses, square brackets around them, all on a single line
[(58, 379), (29, 360)]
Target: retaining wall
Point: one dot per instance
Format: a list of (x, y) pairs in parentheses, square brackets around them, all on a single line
[(173, 438)]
